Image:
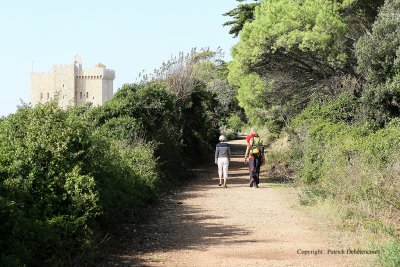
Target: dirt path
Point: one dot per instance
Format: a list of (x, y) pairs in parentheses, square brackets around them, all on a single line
[(206, 225)]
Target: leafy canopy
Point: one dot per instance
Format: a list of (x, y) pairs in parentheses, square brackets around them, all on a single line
[(287, 50), (241, 14), (378, 54)]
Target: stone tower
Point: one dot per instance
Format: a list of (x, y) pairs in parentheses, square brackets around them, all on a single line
[(73, 86)]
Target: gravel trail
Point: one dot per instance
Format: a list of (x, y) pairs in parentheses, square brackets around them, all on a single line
[(208, 225)]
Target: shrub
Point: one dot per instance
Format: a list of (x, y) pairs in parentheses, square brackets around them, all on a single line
[(49, 199), (354, 165), (61, 180)]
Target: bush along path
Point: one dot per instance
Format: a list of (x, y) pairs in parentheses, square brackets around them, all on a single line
[(208, 225)]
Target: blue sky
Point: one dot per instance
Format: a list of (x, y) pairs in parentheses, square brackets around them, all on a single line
[(127, 36)]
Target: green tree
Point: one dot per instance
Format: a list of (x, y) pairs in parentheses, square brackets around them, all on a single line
[(241, 14), (294, 50), (378, 56), (291, 51), (144, 113), (213, 73), (188, 77)]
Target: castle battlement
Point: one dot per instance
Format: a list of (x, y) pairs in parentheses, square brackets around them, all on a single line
[(72, 85), (96, 72), (109, 74)]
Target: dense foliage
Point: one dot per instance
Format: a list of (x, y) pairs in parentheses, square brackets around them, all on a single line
[(67, 177), (294, 50), (241, 14), (59, 179), (326, 73), (287, 53), (379, 63), (355, 166)]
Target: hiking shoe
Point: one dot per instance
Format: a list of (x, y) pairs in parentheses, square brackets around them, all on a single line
[(219, 184), (251, 182)]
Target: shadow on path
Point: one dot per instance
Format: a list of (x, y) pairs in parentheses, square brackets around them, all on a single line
[(171, 226), (208, 225), (174, 226)]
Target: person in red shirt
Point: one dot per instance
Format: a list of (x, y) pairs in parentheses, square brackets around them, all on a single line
[(254, 163), (250, 135)]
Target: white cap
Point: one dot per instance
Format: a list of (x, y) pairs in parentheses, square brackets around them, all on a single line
[(222, 138)]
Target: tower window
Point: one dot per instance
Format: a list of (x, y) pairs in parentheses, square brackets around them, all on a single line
[(48, 95), (63, 85), (41, 95), (87, 95), (80, 94)]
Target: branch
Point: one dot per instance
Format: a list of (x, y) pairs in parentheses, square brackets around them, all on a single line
[(361, 24)]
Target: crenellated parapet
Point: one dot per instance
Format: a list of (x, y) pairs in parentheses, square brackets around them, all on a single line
[(109, 74), (72, 85), (96, 73)]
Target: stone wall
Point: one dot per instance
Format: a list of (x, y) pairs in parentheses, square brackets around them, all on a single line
[(72, 85)]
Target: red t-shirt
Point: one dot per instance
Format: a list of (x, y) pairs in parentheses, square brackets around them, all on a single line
[(249, 137)]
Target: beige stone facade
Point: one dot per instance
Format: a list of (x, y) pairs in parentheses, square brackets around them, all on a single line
[(72, 85)]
